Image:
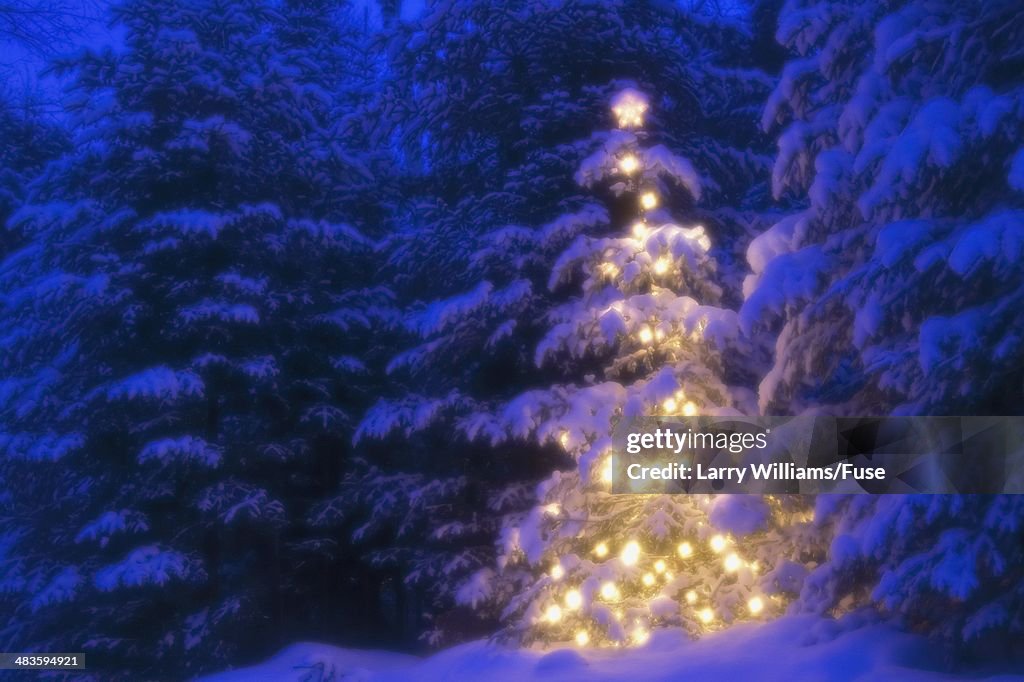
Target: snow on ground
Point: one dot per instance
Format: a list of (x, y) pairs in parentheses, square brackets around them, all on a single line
[(803, 648)]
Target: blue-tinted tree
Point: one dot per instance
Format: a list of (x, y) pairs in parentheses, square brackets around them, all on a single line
[(179, 375), (898, 285), (492, 109)]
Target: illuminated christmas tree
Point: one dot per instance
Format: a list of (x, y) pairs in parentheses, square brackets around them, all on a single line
[(603, 569)]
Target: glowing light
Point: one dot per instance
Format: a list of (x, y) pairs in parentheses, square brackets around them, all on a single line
[(691, 597), (645, 335), (563, 438), (608, 269), (661, 266), (640, 635), (670, 406), (659, 566), (648, 200), (601, 550), (557, 572), (648, 579), (630, 553), (689, 409), (573, 600), (706, 615), (552, 509), (658, 334), (685, 550), (733, 563), (755, 605), (609, 592), (629, 108), (668, 576), (718, 543), (606, 472), (553, 614), (628, 164), (639, 230), (582, 638)]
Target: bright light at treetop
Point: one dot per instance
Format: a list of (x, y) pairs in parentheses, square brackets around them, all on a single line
[(629, 107)]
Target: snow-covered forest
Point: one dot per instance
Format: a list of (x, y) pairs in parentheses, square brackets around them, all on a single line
[(317, 318)]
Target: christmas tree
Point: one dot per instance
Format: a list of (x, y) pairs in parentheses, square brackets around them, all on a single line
[(491, 112), (645, 324)]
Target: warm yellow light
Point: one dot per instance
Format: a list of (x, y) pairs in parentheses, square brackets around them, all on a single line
[(573, 600), (639, 230), (756, 605), (640, 635), (658, 334), (661, 266), (645, 335), (553, 614), (629, 109), (667, 576), (691, 597), (608, 269), (733, 563), (685, 550), (689, 409), (630, 553), (606, 471), (601, 550), (563, 438), (718, 543), (648, 200), (557, 572), (648, 579), (552, 509), (670, 406), (628, 164), (582, 638), (609, 592), (706, 615), (659, 566)]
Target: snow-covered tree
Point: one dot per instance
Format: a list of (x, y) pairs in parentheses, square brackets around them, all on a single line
[(646, 326), (179, 349), (900, 126), (897, 288), (487, 104)]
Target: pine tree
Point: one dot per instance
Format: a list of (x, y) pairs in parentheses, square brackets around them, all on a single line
[(487, 103), (646, 325), (897, 286), (178, 350)]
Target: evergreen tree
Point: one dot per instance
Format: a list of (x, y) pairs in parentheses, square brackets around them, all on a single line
[(647, 336), (897, 287), (179, 376), (488, 103)]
